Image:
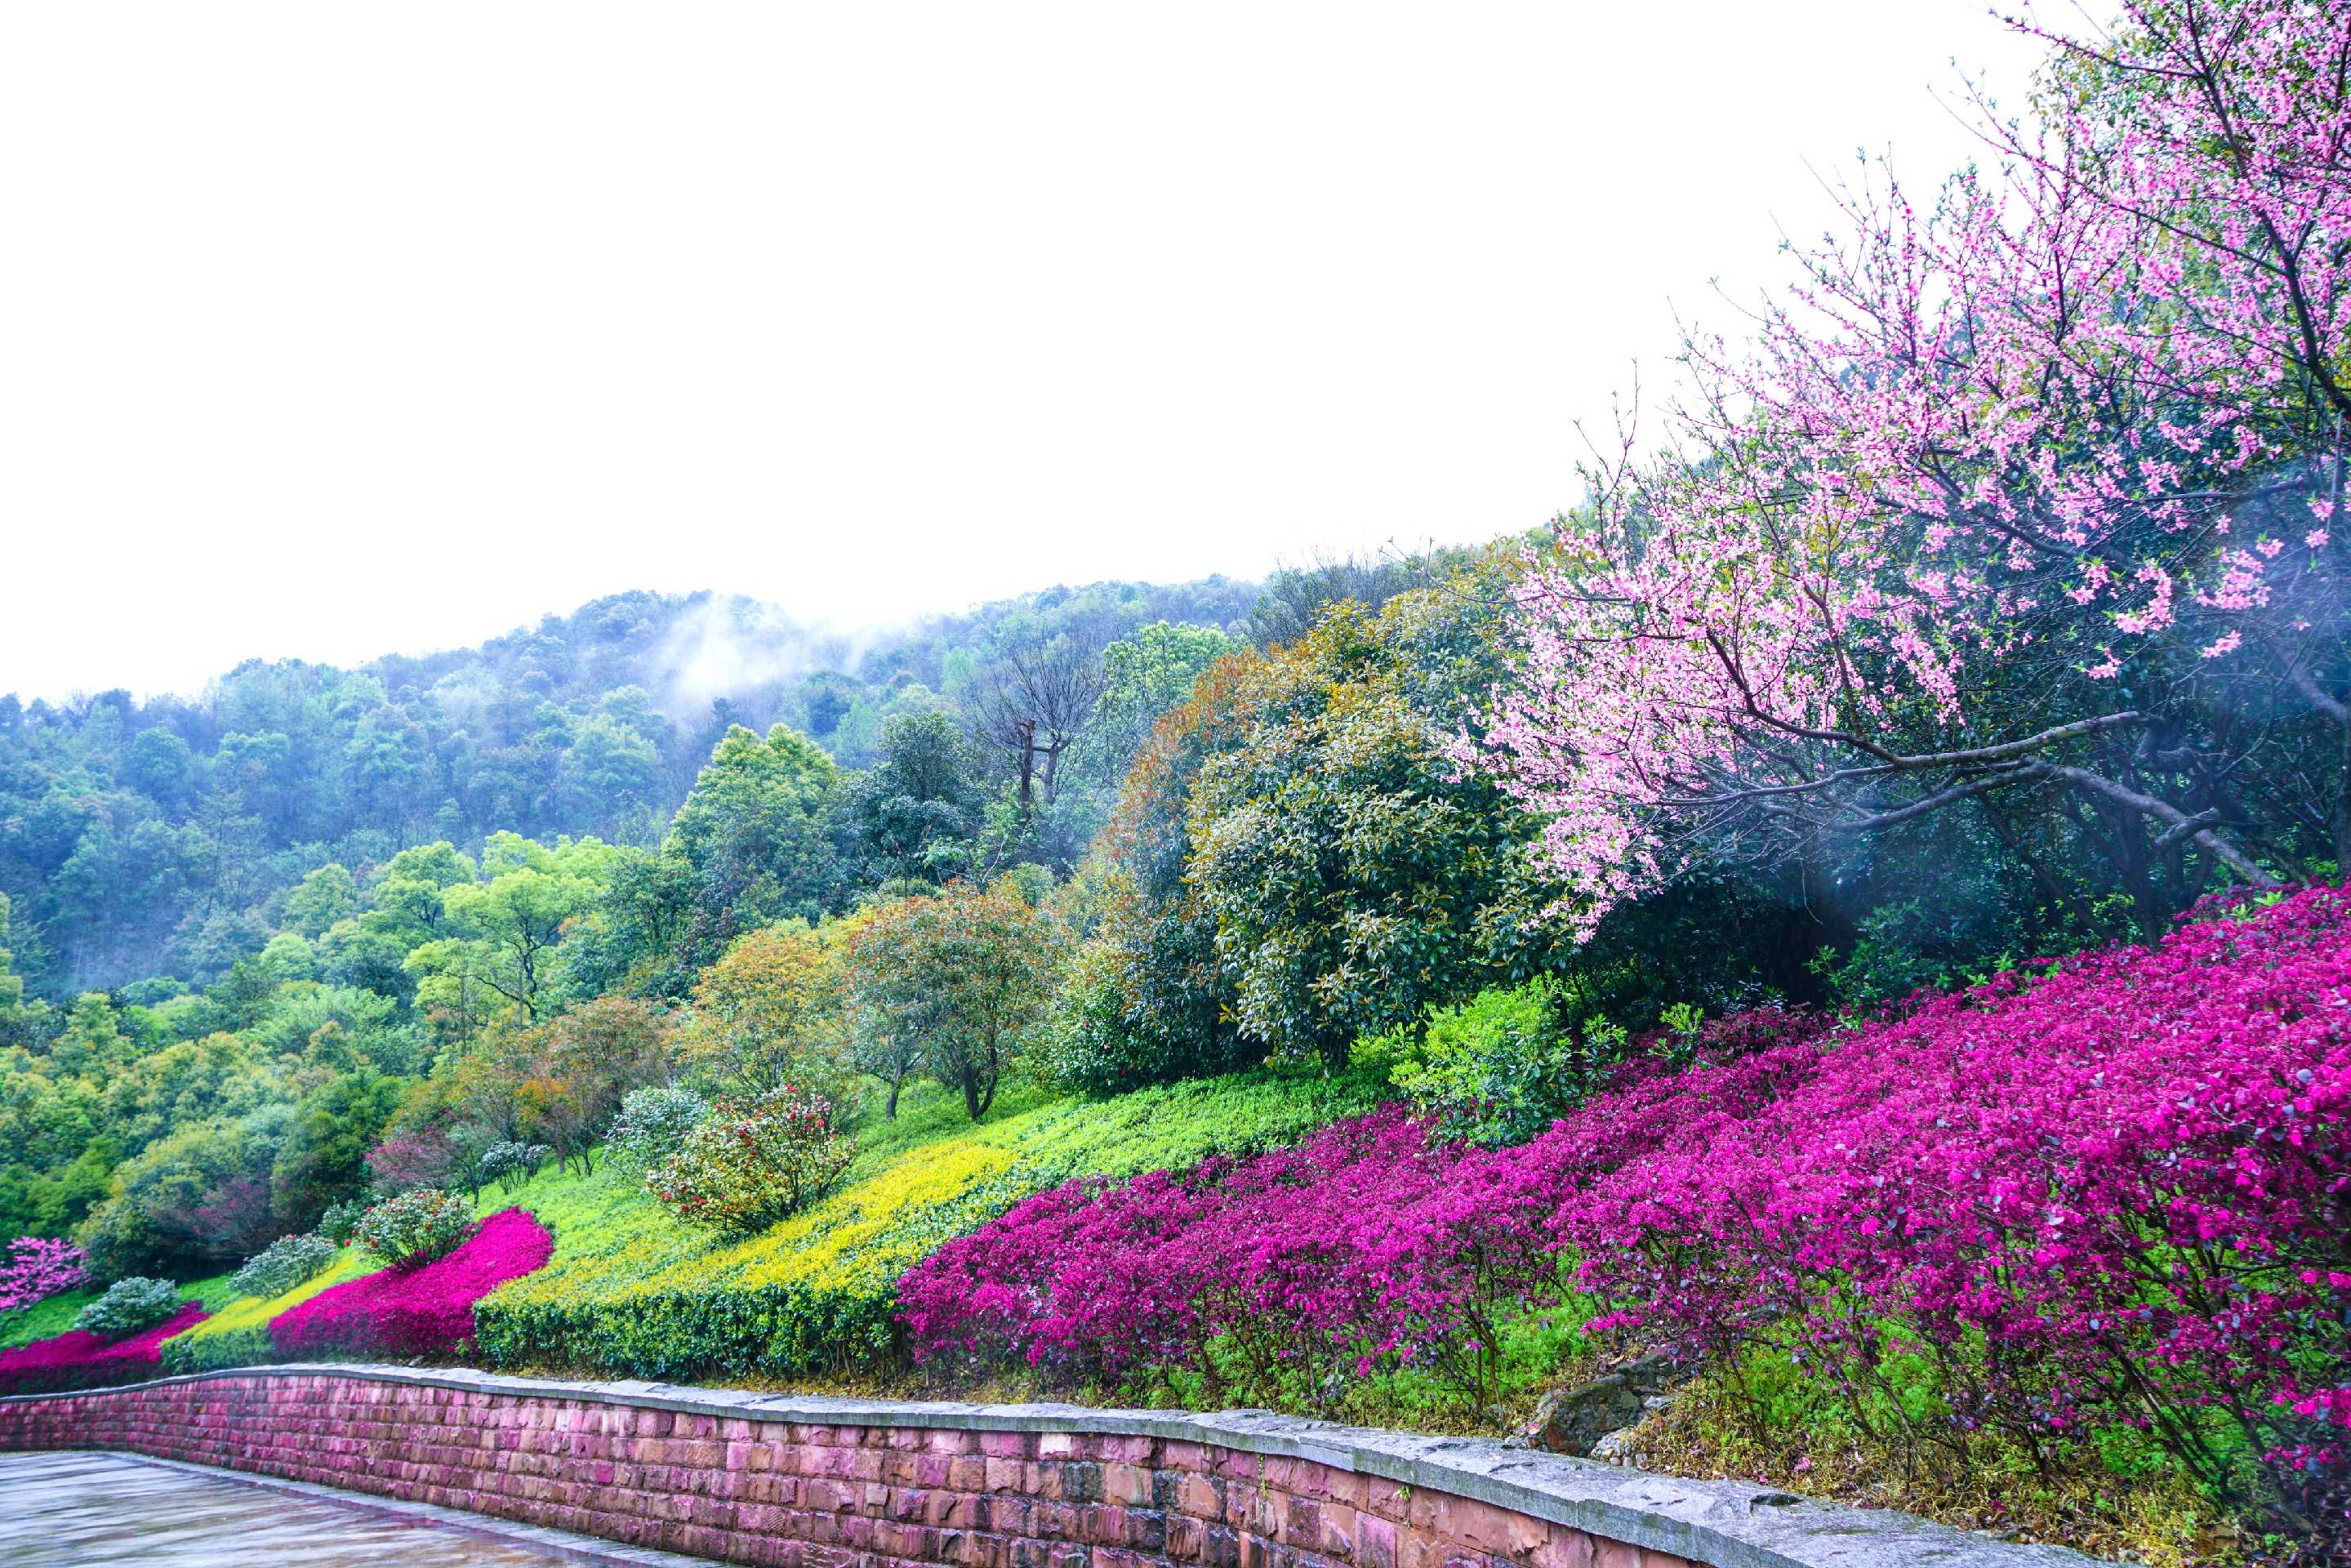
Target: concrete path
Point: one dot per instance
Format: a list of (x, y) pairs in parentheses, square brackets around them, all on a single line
[(77, 1510)]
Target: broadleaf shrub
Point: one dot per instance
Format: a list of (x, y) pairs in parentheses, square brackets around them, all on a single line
[(129, 1306), (342, 1219), (1498, 1068), (414, 1228), (282, 1265), (752, 1162), (424, 1311), (653, 1125), (37, 1269)]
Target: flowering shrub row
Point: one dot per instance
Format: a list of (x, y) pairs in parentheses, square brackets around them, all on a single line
[(81, 1359), (38, 1267), (2114, 1192), (426, 1310)]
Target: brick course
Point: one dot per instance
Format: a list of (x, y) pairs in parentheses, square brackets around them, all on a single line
[(802, 1494)]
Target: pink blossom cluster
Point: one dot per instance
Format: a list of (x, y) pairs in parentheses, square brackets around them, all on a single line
[(421, 1312), (2110, 1191), (81, 1359), (2085, 414), (38, 1267)]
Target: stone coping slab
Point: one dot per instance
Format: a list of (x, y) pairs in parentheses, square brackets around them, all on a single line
[(1731, 1524)]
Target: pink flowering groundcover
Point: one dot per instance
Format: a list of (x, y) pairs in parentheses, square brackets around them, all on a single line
[(2112, 1191), (84, 1360), (419, 1311)]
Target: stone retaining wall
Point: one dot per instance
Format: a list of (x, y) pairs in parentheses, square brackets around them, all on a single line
[(827, 1483)]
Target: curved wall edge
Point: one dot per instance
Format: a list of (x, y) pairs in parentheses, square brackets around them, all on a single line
[(809, 1481)]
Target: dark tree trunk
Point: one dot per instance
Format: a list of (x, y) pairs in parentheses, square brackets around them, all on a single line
[(1026, 729), (978, 1092)]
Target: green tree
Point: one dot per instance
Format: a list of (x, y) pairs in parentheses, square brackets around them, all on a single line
[(320, 899), (1143, 677), (649, 934), (917, 811), (607, 769), (589, 1059), (767, 1015), (1355, 873), (968, 971), (406, 902), (758, 828), (511, 926), (323, 1158)]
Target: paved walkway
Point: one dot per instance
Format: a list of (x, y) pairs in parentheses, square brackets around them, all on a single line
[(76, 1511)]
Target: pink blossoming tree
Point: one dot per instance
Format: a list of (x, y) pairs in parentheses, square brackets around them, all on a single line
[(2027, 499)]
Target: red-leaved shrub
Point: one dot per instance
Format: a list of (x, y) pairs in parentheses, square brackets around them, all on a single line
[(81, 1359), (421, 1311)]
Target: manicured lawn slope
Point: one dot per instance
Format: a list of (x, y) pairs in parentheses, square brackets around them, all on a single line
[(631, 1291)]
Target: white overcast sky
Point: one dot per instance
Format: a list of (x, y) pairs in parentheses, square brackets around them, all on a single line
[(328, 330)]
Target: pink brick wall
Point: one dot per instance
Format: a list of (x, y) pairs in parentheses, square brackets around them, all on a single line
[(810, 1496)]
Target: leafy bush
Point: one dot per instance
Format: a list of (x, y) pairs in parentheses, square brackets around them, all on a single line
[(37, 1269), (1498, 1068), (752, 1163), (511, 1163), (84, 1359), (414, 1228), (653, 1125), (130, 1306), (426, 1310), (282, 1265), (341, 1220)]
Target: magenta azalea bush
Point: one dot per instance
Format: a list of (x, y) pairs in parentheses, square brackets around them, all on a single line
[(427, 1310), (2109, 1192), (85, 1360), (37, 1269)]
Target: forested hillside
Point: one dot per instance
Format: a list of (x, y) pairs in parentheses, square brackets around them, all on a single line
[(162, 838)]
